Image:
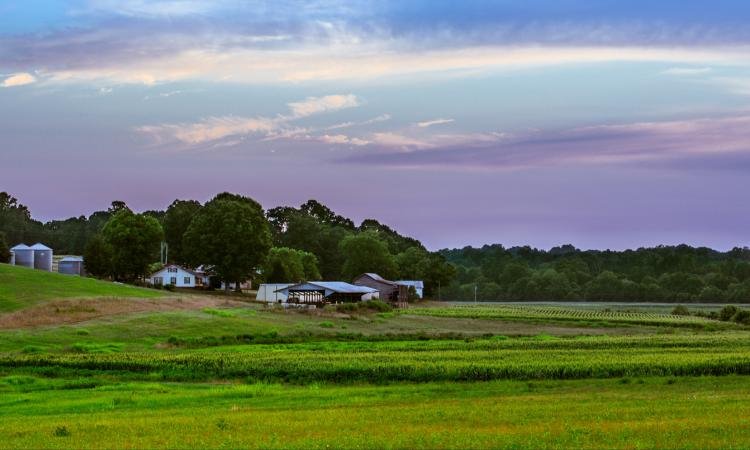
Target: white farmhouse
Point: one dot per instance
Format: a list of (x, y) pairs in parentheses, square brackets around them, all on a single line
[(177, 276)]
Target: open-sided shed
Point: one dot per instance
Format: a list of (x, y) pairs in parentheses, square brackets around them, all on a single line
[(321, 292)]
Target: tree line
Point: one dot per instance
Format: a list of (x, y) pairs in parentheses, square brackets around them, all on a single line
[(232, 236), (664, 273)]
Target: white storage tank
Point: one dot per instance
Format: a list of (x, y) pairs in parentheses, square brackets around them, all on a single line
[(22, 255), (42, 257)]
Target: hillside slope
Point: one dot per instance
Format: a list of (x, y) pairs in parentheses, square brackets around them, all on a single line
[(21, 287)]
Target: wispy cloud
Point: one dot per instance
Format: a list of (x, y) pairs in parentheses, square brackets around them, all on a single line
[(342, 139), (687, 71), (636, 143), (380, 118), (316, 105), (430, 123), (216, 128), (19, 79)]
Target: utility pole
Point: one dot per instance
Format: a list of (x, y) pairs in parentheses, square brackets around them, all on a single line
[(438, 290), (475, 293)]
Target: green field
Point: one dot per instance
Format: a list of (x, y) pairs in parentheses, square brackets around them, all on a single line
[(124, 370), (21, 287)]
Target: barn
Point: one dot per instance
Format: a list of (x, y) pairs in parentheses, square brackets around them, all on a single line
[(388, 289)]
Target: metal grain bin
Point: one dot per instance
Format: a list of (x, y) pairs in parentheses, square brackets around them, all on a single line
[(71, 265), (22, 255), (42, 257)]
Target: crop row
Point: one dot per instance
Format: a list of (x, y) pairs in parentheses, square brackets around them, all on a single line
[(554, 313), (420, 361)]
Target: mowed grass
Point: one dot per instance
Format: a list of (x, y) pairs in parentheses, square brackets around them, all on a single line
[(21, 287), (693, 412)]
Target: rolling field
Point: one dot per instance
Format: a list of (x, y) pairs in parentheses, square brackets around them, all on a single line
[(195, 371), (21, 287)]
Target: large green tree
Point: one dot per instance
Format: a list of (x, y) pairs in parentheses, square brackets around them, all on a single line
[(230, 234), (134, 239), (97, 257), (365, 252), (4, 251), (176, 222), (290, 265)]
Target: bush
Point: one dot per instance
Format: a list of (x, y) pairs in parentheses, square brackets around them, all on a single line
[(742, 317), (369, 305), (680, 310), (727, 313), (61, 431), (377, 305), (169, 287)]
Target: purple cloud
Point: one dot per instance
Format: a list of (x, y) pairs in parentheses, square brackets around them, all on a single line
[(638, 143)]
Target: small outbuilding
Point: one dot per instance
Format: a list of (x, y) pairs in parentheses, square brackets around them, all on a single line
[(416, 284), (71, 265), (270, 292)]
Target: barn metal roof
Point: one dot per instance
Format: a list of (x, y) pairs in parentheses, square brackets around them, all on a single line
[(416, 283), (40, 246), (21, 247), (377, 277), (72, 259)]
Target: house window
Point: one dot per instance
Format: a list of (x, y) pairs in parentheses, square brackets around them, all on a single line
[(172, 270), (158, 280), (173, 280), (186, 280)]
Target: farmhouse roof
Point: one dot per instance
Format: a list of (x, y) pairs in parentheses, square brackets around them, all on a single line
[(174, 265)]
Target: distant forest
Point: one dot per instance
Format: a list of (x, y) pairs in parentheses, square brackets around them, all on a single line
[(313, 241), (666, 273)]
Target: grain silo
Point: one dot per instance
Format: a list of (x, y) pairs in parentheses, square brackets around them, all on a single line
[(71, 265), (22, 255), (42, 257)]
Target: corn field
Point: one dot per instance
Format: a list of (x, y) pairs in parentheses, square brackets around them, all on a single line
[(483, 359), (552, 313)]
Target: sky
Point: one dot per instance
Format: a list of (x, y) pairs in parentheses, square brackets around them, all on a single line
[(604, 124)]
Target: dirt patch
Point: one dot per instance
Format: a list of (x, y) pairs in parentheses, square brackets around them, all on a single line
[(61, 312)]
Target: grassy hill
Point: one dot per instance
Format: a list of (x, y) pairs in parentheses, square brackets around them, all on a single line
[(21, 287)]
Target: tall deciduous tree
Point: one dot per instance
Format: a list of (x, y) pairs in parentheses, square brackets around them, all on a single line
[(4, 251), (134, 239), (176, 222), (364, 252), (230, 234), (97, 257), (286, 265)]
